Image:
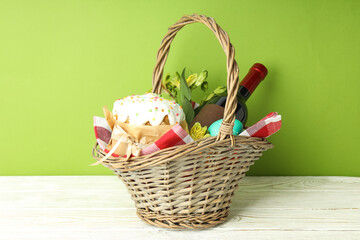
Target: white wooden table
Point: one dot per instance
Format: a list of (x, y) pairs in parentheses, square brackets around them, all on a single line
[(99, 207)]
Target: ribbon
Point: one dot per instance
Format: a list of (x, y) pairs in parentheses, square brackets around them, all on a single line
[(134, 146)]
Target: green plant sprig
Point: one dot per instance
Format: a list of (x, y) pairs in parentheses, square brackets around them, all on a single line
[(180, 89)]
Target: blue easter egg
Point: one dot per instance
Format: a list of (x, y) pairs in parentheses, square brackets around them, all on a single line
[(215, 126)]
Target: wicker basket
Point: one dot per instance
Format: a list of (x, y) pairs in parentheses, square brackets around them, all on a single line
[(190, 186)]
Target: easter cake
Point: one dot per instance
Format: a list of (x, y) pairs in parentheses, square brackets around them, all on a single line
[(148, 109), (137, 121)]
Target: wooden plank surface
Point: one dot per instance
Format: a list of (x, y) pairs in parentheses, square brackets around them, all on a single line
[(99, 207)]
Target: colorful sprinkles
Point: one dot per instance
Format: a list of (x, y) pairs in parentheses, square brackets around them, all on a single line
[(139, 109)]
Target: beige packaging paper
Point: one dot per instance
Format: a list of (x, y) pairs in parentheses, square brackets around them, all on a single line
[(133, 138)]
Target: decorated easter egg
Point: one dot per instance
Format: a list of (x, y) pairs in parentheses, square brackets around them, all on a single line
[(215, 127)]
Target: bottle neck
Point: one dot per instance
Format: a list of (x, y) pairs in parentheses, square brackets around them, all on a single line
[(244, 93), (256, 74)]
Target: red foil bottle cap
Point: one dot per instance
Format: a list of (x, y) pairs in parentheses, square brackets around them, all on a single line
[(256, 74), (261, 69)]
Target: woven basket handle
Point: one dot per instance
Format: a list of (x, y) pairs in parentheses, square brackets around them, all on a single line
[(232, 67)]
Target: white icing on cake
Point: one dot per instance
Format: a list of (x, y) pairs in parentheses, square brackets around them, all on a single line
[(140, 109)]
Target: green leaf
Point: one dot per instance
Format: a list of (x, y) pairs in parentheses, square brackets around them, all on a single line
[(208, 97), (166, 78), (165, 81), (187, 108), (219, 90), (204, 86), (191, 80), (184, 88), (201, 78), (166, 96), (175, 80)]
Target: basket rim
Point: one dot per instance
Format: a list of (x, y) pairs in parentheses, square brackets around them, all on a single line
[(168, 154)]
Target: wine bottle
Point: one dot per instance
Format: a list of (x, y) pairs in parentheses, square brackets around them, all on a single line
[(256, 74)]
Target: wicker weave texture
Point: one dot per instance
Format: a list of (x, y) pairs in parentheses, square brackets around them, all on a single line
[(190, 186), (191, 190)]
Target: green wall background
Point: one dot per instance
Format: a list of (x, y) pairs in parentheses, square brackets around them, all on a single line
[(62, 61)]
